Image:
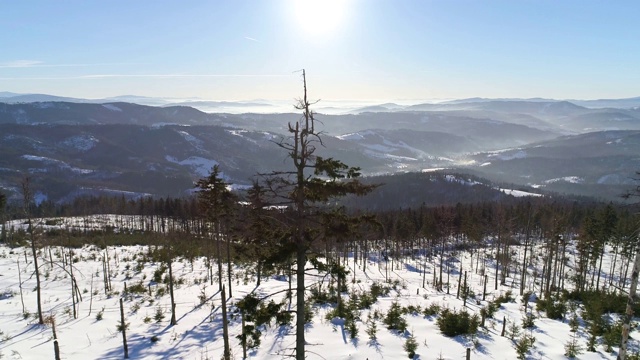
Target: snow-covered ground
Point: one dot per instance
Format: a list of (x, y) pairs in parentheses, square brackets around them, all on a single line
[(198, 333)]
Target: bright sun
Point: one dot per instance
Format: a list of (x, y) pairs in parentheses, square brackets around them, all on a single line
[(319, 16)]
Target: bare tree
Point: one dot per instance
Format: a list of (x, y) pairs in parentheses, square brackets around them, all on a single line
[(27, 197)]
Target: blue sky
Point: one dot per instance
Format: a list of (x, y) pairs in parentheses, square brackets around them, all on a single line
[(351, 49)]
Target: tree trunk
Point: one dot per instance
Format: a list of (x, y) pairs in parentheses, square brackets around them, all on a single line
[(630, 304), (600, 266), (20, 284), (523, 277), (37, 271), (219, 250), (229, 264), (225, 325), (173, 302), (124, 331)]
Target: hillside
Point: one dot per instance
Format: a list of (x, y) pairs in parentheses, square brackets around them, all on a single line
[(74, 148)]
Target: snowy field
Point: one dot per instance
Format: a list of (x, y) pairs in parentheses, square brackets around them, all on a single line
[(198, 334)]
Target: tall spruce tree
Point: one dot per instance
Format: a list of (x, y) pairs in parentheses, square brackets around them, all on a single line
[(315, 180), (216, 201), (312, 183), (3, 204), (632, 299)]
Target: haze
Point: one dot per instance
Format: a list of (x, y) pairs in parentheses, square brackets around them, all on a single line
[(351, 49)]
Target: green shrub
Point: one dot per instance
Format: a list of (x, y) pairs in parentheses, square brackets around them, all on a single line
[(491, 309), (607, 302), (523, 345), (431, 310), (378, 290), (528, 321), (554, 307), (100, 314), (410, 346), (322, 297), (505, 298), (572, 348), (372, 330), (352, 328), (394, 319), (159, 315), (574, 323), (157, 274), (284, 318), (452, 323), (137, 288), (251, 336), (611, 336)]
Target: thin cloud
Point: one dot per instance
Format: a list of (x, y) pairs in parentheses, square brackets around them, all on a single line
[(38, 63), (165, 76), (99, 76), (251, 39), (20, 64)]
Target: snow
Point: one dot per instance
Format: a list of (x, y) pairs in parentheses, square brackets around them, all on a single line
[(453, 178), (39, 198), (569, 179), (609, 179), (58, 163), (194, 141), (43, 105), (197, 334), (521, 154), (351, 137), (432, 170), (200, 166), (111, 107), (239, 133), (519, 193), (81, 142), (163, 124)]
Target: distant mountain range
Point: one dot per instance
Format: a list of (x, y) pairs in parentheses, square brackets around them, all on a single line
[(77, 146)]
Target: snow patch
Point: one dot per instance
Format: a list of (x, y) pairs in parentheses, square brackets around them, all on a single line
[(162, 124), (569, 179), (518, 193), (609, 179), (54, 162), (39, 198), (81, 142), (453, 178), (111, 107), (521, 154), (197, 143), (199, 165), (351, 137)]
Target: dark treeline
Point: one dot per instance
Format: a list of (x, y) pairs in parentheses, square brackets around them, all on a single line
[(471, 221), (180, 208)]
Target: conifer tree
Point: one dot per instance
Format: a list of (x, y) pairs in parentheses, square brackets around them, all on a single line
[(3, 204), (313, 182), (216, 199)]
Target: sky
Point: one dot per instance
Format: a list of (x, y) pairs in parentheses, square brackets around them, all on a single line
[(351, 49)]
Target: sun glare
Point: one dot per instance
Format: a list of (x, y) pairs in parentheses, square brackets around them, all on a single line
[(319, 16)]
